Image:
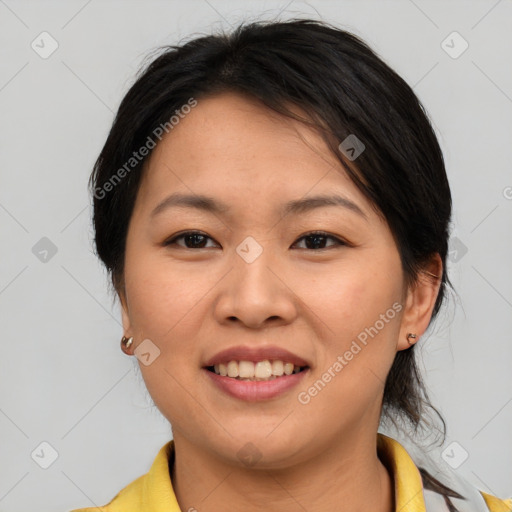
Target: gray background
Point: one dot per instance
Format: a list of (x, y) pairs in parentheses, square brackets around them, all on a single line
[(63, 378)]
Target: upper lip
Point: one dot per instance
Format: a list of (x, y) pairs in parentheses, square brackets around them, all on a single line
[(245, 353)]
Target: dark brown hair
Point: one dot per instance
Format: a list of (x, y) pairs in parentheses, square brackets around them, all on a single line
[(343, 87)]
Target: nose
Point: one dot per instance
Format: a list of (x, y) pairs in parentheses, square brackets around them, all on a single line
[(256, 294)]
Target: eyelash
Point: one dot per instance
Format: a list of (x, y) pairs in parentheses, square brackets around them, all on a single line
[(172, 241)]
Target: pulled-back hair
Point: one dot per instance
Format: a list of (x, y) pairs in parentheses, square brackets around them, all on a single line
[(342, 87)]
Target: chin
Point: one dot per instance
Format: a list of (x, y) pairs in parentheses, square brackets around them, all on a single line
[(257, 449)]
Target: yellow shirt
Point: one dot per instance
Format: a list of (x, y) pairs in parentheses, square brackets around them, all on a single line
[(153, 491)]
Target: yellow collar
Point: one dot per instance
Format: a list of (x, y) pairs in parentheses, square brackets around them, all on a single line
[(405, 474), (153, 491)]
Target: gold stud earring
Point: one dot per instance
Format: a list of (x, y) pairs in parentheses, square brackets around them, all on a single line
[(413, 336), (126, 344)]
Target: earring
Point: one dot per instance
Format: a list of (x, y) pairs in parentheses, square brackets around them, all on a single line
[(413, 336), (126, 344)]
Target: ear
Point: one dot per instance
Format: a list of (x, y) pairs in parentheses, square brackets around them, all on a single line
[(420, 302), (124, 313)]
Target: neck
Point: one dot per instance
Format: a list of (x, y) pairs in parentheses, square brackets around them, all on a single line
[(348, 477)]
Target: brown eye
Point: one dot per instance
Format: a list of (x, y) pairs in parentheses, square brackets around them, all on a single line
[(196, 240), (316, 240), (192, 239)]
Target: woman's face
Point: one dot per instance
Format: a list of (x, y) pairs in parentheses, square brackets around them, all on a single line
[(256, 278)]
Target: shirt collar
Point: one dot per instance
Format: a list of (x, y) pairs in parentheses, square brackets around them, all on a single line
[(158, 494), (405, 474)]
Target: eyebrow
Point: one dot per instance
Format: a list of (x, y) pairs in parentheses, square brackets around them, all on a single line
[(297, 206)]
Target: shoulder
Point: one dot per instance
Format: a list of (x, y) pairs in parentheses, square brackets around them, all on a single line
[(151, 491), (417, 473), (128, 499), (494, 504)]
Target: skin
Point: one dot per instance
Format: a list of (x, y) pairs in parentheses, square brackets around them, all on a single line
[(193, 302)]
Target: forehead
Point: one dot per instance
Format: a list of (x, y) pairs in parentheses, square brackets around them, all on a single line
[(237, 149)]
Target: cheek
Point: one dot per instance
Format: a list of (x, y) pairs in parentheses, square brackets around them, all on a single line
[(167, 306), (164, 307), (362, 311), (359, 309), (350, 299), (162, 294)]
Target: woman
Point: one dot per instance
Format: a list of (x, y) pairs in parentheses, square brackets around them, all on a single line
[(273, 208)]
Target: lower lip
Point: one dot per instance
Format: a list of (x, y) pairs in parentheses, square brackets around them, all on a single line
[(254, 391)]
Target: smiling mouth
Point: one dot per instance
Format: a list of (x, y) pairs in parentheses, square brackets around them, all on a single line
[(255, 371)]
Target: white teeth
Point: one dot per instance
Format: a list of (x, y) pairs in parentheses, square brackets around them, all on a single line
[(263, 369), (260, 370), (288, 368), (277, 368), (232, 369), (245, 369)]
